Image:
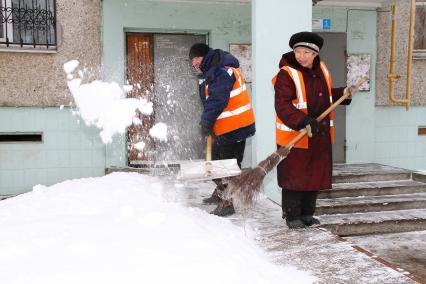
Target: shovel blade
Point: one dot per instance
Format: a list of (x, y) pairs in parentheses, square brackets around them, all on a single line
[(208, 170)]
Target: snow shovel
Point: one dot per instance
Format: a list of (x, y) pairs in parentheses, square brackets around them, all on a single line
[(208, 169)]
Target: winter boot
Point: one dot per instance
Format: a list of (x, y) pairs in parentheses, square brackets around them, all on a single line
[(224, 208), (214, 198), (295, 224), (310, 220)]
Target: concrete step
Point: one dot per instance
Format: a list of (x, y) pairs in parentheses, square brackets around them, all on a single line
[(349, 173), (373, 188), (419, 176), (371, 203), (375, 222)]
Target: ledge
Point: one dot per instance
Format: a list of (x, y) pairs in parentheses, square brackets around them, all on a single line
[(28, 50)]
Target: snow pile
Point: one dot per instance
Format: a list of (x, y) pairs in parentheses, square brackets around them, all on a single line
[(103, 105), (125, 228)]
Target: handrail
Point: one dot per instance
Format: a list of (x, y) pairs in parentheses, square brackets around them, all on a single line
[(392, 76)]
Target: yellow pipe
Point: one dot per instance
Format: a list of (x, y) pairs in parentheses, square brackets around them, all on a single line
[(392, 76), (410, 52)]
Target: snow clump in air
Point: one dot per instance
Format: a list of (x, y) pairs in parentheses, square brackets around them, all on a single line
[(159, 131), (104, 105)]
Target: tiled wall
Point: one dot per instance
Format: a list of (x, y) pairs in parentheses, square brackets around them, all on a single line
[(397, 142), (69, 149)]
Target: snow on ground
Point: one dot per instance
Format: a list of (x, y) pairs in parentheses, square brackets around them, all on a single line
[(126, 228)]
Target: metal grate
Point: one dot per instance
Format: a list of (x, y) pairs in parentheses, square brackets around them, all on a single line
[(28, 23)]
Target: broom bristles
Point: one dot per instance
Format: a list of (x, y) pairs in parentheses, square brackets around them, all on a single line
[(244, 189)]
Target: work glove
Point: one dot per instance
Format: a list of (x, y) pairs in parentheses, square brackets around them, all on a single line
[(312, 126), (206, 130)]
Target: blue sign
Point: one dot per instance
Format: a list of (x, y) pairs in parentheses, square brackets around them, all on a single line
[(326, 24)]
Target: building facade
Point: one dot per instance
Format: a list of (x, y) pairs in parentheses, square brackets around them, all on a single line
[(145, 43), (41, 141)]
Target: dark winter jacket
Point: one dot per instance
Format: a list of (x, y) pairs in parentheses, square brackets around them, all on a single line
[(305, 169), (220, 84)]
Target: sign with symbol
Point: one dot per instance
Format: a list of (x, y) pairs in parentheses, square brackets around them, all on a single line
[(326, 24)]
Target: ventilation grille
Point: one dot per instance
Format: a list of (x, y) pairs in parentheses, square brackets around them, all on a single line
[(18, 137)]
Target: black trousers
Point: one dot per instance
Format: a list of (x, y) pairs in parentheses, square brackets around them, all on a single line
[(298, 203), (228, 151)]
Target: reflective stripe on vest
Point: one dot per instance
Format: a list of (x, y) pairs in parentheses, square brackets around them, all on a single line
[(284, 134), (329, 82), (238, 112)]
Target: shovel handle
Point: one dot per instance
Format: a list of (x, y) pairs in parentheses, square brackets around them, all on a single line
[(209, 148)]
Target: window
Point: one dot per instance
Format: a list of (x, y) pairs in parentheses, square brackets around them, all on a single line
[(29, 24), (419, 27)]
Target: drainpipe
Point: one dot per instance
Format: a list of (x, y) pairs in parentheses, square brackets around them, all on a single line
[(392, 76)]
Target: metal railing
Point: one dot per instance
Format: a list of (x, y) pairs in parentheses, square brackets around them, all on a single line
[(28, 24)]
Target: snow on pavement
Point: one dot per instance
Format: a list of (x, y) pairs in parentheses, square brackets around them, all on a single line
[(126, 228)]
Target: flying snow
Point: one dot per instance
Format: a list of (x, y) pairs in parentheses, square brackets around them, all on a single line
[(159, 131), (104, 105)]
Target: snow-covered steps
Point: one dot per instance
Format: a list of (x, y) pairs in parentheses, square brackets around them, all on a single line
[(373, 198), (389, 187), (348, 173), (371, 203), (375, 222)]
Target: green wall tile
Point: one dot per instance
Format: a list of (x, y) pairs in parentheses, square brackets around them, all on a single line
[(67, 151)]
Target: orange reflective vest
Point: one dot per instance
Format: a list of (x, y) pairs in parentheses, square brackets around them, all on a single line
[(238, 112), (285, 134)]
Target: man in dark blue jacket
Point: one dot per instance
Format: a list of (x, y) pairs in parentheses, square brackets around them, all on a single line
[(226, 116)]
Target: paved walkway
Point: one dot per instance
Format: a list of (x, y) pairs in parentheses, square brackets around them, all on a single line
[(313, 249)]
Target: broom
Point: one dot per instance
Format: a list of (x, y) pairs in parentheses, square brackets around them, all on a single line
[(244, 189)]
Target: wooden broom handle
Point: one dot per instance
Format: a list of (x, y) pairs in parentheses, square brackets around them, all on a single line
[(346, 94), (209, 148)]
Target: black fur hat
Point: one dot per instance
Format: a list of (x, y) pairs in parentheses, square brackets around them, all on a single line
[(198, 49), (308, 40)]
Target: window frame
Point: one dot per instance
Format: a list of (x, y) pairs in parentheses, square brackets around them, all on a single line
[(6, 26), (8, 44), (421, 53)]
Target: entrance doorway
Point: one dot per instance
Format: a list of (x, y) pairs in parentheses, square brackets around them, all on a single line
[(159, 67), (334, 55)]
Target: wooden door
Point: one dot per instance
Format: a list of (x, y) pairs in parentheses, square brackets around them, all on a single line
[(140, 66)]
